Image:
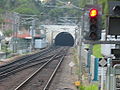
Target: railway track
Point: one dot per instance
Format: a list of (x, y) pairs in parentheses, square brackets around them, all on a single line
[(47, 64), (26, 62), (44, 75), (26, 58)]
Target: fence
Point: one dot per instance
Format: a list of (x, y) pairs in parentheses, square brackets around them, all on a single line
[(93, 64)]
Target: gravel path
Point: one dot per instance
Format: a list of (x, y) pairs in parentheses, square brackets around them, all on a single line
[(67, 77), (64, 80)]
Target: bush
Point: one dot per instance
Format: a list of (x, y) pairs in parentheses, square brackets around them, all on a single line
[(7, 33), (90, 87), (97, 51)]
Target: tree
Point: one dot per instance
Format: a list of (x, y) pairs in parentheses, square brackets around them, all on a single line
[(2, 3), (26, 8), (7, 33)]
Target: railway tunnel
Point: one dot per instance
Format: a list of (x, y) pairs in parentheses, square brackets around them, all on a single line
[(64, 39)]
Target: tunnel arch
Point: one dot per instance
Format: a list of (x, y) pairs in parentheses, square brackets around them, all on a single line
[(64, 39)]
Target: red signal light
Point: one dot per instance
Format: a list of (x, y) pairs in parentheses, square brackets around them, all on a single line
[(93, 13)]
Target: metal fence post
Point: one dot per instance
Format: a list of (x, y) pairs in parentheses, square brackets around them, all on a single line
[(108, 73)]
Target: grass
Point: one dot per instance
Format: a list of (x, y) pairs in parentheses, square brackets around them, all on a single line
[(75, 60), (97, 51), (90, 87)]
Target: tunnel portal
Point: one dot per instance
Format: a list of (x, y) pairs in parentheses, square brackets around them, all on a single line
[(64, 39)]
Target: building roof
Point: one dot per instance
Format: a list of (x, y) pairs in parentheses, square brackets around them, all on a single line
[(25, 35)]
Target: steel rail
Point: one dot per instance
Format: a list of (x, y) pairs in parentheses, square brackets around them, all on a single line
[(5, 74), (29, 60), (53, 74), (19, 66), (19, 60), (37, 71), (20, 69)]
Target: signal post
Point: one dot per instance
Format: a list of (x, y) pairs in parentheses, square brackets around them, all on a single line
[(91, 29), (92, 35)]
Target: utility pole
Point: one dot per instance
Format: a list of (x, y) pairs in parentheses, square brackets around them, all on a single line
[(31, 19), (15, 30), (80, 56), (33, 33), (75, 37), (80, 28), (89, 60), (108, 74)]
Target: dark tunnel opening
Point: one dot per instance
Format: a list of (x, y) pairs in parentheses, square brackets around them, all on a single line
[(64, 39)]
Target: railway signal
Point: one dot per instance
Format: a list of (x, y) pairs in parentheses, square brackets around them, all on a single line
[(94, 27), (92, 22), (116, 10), (114, 18)]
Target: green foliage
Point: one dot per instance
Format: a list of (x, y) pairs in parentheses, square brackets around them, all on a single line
[(1, 10), (97, 50), (23, 1), (32, 7), (89, 87), (104, 6), (26, 8), (2, 3), (82, 3), (73, 12), (76, 2), (1, 20), (20, 6), (55, 12), (5, 48), (7, 33), (105, 9)]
